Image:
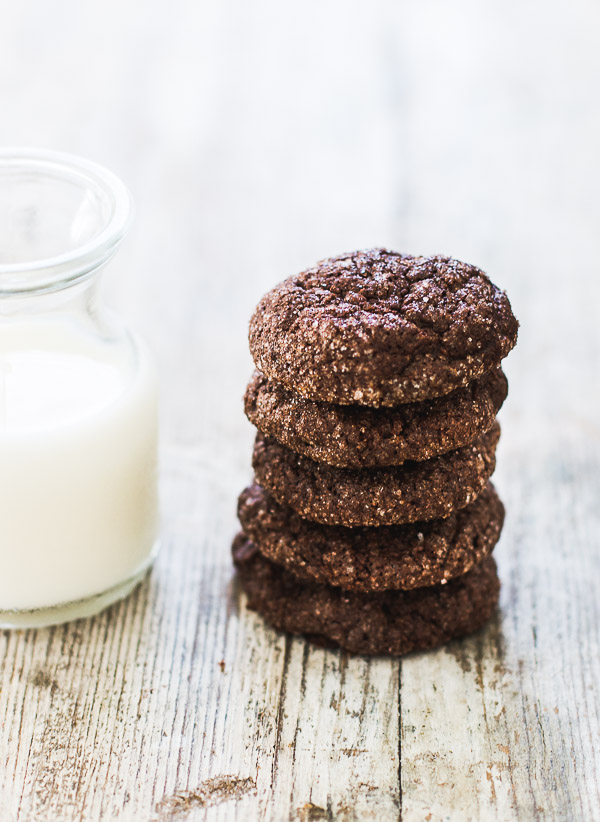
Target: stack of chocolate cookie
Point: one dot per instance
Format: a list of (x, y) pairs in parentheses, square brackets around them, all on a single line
[(371, 520)]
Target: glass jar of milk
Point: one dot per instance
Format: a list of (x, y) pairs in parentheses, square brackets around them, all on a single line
[(78, 399)]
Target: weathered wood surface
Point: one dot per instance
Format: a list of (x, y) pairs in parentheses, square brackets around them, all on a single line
[(258, 138)]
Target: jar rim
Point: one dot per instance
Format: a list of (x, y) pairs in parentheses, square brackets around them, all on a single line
[(59, 270)]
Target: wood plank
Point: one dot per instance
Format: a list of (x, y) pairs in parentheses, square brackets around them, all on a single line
[(258, 139), (337, 743), (180, 691), (505, 725)]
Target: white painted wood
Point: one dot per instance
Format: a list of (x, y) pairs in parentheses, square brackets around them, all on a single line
[(258, 138)]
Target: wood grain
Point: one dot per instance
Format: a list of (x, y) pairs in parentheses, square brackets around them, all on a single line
[(256, 139)]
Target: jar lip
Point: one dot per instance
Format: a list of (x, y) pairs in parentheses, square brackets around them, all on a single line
[(59, 270)]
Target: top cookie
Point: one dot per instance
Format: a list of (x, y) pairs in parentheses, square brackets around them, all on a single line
[(380, 328)]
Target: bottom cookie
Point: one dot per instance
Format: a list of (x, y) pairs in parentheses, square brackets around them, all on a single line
[(391, 623)]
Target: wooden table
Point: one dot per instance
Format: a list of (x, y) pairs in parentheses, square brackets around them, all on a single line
[(257, 138)]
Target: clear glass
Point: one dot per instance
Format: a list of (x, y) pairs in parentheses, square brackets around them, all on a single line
[(78, 399)]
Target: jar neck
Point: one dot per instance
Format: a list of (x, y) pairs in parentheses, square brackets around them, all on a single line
[(80, 305), (83, 297)]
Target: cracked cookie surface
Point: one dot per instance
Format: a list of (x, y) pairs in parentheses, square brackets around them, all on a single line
[(356, 436), (388, 623), (380, 328), (372, 559), (376, 496)]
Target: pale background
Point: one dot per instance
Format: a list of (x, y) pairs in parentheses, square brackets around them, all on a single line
[(256, 138)]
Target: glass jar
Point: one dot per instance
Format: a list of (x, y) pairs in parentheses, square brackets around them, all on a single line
[(78, 399)]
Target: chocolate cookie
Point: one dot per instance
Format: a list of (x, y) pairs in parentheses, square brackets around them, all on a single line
[(392, 622), (372, 559), (376, 496), (357, 436), (380, 328)]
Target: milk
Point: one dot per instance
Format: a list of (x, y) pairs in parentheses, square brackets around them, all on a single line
[(78, 464)]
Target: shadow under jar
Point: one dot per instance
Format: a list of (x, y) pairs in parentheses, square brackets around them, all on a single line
[(78, 399)]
